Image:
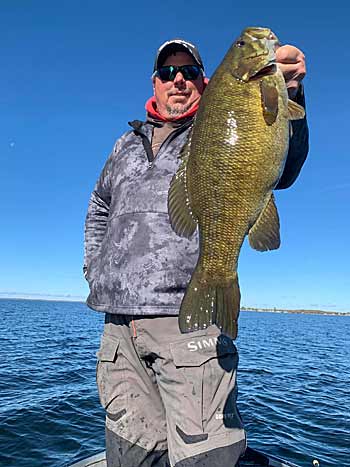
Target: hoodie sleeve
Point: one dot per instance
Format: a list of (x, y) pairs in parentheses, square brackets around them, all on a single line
[(98, 212), (298, 147)]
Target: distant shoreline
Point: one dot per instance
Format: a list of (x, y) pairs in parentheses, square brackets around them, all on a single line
[(46, 299), (243, 308), (298, 311)]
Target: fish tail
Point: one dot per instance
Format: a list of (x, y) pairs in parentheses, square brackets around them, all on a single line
[(206, 303)]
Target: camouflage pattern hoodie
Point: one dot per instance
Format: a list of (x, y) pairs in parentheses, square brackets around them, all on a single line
[(135, 264)]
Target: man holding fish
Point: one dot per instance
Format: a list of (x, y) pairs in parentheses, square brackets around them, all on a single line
[(163, 232)]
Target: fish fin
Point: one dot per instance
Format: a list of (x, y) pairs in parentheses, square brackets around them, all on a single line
[(265, 233), (182, 220), (208, 303), (295, 111), (269, 98), (186, 148)]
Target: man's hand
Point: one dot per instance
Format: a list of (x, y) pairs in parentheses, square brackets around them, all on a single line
[(292, 64)]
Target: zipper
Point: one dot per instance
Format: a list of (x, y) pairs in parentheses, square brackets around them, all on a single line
[(148, 148), (137, 125), (171, 137)]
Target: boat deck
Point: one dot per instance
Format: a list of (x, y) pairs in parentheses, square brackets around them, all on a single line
[(252, 458)]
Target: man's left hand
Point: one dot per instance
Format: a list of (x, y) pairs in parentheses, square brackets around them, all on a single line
[(291, 61)]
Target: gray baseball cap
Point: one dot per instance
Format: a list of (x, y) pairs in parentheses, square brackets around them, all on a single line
[(176, 45)]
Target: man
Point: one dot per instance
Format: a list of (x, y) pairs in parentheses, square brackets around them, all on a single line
[(170, 398)]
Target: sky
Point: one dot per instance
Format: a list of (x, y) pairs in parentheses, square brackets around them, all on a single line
[(73, 73)]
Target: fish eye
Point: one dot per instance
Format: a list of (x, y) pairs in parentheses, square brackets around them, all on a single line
[(240, 43)]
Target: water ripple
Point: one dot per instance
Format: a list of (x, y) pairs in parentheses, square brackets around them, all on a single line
[(293, 384)]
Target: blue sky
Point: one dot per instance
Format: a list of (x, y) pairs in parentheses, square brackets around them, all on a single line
[(73, 73)]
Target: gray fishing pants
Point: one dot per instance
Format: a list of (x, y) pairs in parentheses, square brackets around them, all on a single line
[(170, 398)]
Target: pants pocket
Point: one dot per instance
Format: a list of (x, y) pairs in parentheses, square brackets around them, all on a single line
[(205, 372), (109, 374)]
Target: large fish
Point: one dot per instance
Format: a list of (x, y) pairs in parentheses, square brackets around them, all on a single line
[(233, 160)]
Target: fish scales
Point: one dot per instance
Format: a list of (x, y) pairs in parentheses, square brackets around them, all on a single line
[(236, 156), (230, 206)]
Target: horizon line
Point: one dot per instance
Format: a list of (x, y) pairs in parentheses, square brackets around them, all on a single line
[(81, 299)]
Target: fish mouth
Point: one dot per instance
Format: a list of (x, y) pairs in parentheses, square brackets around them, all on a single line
[(267, 70)]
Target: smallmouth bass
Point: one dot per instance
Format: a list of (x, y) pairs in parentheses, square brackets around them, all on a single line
[(233, 160)]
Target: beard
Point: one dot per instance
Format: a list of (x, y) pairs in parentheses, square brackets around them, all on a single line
[(177, 110)]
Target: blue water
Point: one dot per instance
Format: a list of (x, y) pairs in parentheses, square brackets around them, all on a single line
[(294, 382)]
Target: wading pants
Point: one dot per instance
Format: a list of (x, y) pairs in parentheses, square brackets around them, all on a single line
[(170, 398)]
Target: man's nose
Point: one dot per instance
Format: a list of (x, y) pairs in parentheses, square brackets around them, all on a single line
[(179, 78)]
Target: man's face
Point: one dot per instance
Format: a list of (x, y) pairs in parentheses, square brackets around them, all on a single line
[(175, 98)]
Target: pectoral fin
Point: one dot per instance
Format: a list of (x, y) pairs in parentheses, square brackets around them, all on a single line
[(295, 111), (265, 233), (269, 99), (181, 218)]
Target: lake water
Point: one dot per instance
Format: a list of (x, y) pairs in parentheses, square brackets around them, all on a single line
[(294, 383)]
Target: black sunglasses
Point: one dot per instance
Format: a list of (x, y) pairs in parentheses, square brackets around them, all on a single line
[(168, 73)]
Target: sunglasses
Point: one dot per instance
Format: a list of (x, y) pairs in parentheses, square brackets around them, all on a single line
[(168, 73)]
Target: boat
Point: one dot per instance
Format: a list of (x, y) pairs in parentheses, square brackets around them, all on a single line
[(251, 458)]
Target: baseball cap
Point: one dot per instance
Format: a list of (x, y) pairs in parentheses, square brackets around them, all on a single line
[(176, 45)]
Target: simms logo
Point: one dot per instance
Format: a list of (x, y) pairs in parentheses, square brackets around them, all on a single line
[(193, 346)]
